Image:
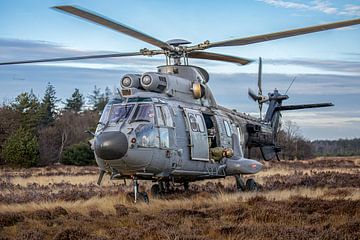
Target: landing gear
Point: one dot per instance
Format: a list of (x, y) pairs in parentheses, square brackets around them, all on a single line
[(164, 187), (250, 186), (240, 185), (139, 196), (155, 190), (186, 186)]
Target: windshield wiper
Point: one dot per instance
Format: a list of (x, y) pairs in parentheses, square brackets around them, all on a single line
[(139, 120)]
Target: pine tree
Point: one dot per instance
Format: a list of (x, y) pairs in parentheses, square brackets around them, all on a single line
[(29, 107), (76, 102), (21, 149), (104, 99), (98, 100), (48, 106)]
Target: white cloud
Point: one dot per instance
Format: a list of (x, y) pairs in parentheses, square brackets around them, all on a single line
[(323, 119), (323, 6), (317, 5), (285, 4), (351, 10)]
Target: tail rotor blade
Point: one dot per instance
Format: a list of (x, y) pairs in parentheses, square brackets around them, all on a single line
[(253, 95), (260, 77)]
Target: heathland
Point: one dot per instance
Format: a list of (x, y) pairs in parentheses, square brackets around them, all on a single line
[(307, 199)]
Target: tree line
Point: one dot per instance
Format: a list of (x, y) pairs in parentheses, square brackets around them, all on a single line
[(36, 132), (295, 146), (341, 147)]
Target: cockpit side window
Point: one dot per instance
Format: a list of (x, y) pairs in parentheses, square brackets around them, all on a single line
[(163, 116), (167, 115), (227, 128), (105, 114), (165, 125), (120, 112), (160, 116), (144, 112)]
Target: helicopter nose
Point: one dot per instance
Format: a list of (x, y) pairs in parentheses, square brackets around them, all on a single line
[(111, 145)]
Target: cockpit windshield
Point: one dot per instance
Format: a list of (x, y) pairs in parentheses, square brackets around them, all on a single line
[(120, 112), (144, 112)]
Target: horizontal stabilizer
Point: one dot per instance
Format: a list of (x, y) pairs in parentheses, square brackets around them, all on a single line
[(303, 106)]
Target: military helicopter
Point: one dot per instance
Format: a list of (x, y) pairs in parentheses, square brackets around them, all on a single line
[(166, 126)]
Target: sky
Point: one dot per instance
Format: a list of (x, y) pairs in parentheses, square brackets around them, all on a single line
[(326, 64)]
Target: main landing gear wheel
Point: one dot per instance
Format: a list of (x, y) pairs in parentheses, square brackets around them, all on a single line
[(186, 186), (251, 185), (155, 190)]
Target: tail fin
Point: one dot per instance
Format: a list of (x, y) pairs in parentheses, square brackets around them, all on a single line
[(273, 114)]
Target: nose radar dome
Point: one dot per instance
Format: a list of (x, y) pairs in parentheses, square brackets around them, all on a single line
[(111, 145)]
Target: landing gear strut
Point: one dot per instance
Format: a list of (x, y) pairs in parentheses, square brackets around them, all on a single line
[(240, 185), (141, 196)]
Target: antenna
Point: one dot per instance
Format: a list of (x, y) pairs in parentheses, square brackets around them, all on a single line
[(290, 85)]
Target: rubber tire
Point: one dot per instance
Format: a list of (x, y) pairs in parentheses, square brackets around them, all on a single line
[(186, 186), (251, 185), (155, 190), (142, 197)]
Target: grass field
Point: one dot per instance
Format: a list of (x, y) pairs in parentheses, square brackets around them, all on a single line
[(313, 199)]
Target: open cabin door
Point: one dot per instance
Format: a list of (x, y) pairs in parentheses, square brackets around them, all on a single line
[(198, 135)]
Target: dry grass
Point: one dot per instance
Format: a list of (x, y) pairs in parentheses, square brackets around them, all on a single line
[(316, 199)]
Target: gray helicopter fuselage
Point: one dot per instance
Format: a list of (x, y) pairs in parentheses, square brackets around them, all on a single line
[(169, 134)]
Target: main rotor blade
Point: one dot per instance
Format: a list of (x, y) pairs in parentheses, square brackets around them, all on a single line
[(113, 25), (218, 57), (284, 34), (303, 106), (74, 58)]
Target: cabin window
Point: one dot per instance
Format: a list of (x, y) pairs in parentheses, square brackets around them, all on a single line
[(193, 124), (227, 128), (120, 112), (200, 123), (144, 112)]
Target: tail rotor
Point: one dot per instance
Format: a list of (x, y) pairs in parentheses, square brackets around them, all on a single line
[(259, 97)]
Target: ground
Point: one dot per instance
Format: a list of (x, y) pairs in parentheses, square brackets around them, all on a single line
[(312, 199)]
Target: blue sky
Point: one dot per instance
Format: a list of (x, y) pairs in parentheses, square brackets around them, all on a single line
[(327, 64)]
